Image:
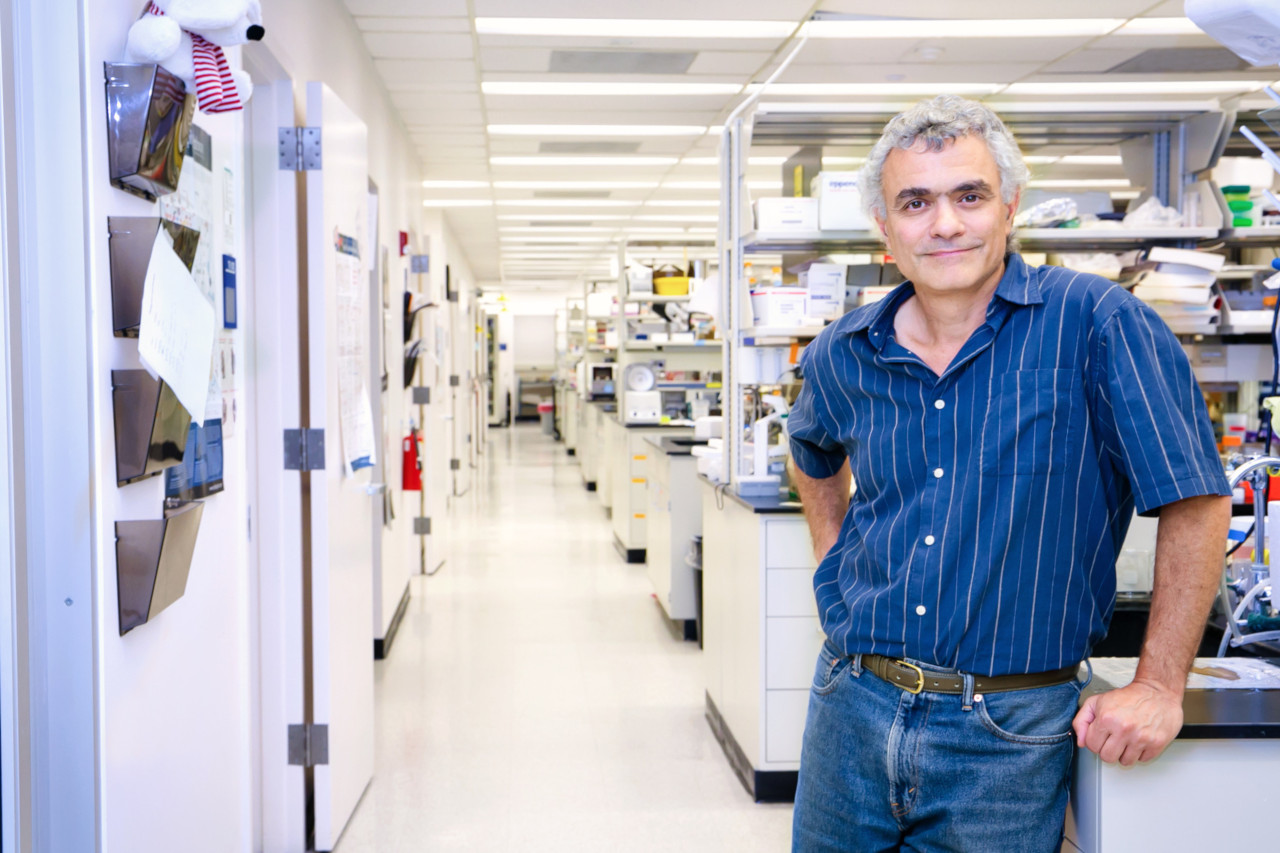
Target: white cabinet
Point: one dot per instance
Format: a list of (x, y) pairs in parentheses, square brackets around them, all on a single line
[(761, 636), (630, 452), (674, 518)]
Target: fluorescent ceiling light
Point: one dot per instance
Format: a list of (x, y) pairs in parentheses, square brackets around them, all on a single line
[(457, 202), (843, 161), (565, 202), (912, 28), (819, 90), (1159, 27), (544, 160), (575, 185), (681, 202), (455, 185), (551, 229), (1100, 184), (1075, 160), (539, 255), (566, 239), (1134, 87), (1124, 195), (534, 88), (715, 185), (676, 217), (633, 28), (770, 160), (560, 217), (597, 130)]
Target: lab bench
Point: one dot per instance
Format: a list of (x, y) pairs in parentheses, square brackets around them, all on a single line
[(589, 445), (674, 517), (760, 632), (627, 449), (1220, 770)]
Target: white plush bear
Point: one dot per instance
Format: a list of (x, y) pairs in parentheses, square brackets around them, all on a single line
[(186, 37)]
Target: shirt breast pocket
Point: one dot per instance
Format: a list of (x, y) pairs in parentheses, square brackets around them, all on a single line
[(1033, 419)]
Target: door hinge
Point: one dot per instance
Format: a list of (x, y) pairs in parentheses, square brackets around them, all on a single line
[(304, 450), (421, 395), (308, 744), (422, 527), (454, 381), (299, 149), (455, 464), (419, 264)]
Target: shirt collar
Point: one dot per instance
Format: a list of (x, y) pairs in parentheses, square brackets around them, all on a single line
[(1018, 286)]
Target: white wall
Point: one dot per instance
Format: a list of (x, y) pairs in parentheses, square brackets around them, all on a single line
[(535, 340), (174, 694)]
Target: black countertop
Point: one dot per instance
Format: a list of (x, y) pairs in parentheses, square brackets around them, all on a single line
[(1228, 698), (676, 447), (763, 506)]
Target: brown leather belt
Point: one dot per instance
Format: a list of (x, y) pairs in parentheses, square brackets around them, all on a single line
[(913, 679)]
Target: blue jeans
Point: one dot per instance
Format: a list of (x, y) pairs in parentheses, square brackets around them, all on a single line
[(886, 770)]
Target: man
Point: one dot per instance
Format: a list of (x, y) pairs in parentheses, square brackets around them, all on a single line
[(1001, 424)]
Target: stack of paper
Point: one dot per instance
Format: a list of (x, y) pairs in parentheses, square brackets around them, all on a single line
[(1178, 284)]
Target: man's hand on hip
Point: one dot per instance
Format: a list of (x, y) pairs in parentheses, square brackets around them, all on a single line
[(1131, 724)]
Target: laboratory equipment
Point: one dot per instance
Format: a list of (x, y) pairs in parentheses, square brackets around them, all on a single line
[(762, 482), (601, 385), (642, 403), (1245, 596)]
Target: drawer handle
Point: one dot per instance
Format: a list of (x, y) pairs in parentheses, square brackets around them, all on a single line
[(639, 515), (639, 480), (639, 458)]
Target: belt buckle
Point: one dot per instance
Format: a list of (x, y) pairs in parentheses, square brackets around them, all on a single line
[(919, 674)]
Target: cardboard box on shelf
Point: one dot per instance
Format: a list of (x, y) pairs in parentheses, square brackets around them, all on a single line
[(786, 214), (839, 202)]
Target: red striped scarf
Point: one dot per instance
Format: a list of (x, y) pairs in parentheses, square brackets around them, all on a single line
[(215, 87)]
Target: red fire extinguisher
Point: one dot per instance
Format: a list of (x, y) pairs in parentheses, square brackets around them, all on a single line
[(411, 470)]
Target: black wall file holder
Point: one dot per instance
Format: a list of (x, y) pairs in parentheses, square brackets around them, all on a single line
[(411, 354), (148, 122), (153, 560), (131, 240), (151, 425)]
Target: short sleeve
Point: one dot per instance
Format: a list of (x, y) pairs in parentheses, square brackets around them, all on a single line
[(813, 449), (1150, 413)]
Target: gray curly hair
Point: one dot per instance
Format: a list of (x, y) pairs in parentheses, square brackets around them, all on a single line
[(936, 122)]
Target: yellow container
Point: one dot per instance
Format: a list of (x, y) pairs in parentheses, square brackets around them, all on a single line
[(672, 285)]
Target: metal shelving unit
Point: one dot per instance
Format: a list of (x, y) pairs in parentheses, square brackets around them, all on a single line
[(1164, 146)]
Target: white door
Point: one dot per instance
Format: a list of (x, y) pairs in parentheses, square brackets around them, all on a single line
[(460, 390), (341, 521)]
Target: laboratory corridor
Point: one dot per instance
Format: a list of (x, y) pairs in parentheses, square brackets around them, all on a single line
[(535, 699)]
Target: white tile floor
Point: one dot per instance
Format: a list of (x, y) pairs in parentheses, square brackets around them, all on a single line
[(534, 700)]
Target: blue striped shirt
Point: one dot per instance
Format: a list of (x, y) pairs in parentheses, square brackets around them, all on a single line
[(992, 501)]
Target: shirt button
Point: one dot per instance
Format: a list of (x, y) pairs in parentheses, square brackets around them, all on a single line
[(939, 404), (920, 611), (929, 540), (937, 472)]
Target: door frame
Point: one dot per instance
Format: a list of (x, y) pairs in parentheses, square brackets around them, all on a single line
[(273, 381)]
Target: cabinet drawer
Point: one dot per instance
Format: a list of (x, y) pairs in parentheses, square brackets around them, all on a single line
[(790, 593), (784, 715), (787, 545), (791, 651)]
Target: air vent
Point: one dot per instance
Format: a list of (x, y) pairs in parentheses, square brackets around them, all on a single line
[(589, 147), (571, 194), (1189, 60), (620, 62)]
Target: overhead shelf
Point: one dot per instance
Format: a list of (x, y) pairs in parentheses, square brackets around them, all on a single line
[(642, 297), (671, 345), (778, 335), (1031, 239)]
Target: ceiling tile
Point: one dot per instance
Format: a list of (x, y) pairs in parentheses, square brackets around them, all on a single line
[(445, 105), (594, 43), (410, 74), (505, 60), (730, 62), (423, 119), (713, 10), (408, 8), (525, 113), (992, 9), (582, 109), (400, 24), (1091, 61), (911, 73), (419, 45)]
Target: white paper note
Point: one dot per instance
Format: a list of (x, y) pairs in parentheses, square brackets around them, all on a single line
[(358, 440), (176, 332)]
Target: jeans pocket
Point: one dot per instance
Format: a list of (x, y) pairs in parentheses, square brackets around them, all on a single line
[(831, 665), (1038, 717)]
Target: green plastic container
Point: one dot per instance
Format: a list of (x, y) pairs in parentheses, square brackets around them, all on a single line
[(1240, 205), (1242, 222)]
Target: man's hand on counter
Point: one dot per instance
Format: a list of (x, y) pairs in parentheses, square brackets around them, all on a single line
[(1131, 724)]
